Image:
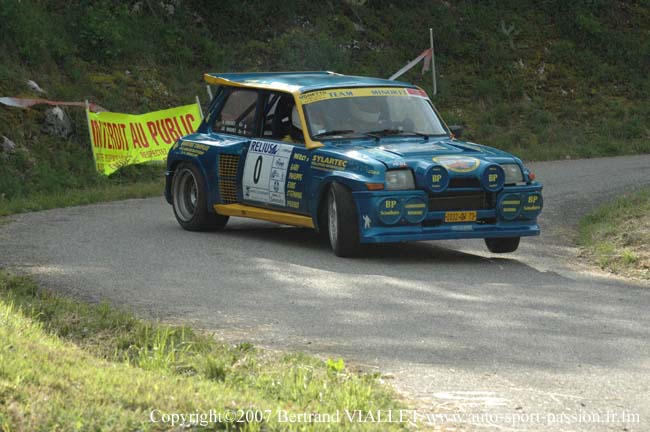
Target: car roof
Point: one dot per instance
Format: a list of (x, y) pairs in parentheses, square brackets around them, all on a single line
[(298, 82)]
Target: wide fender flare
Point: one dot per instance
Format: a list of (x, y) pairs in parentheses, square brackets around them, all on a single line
[(352, 181), (200, 162)]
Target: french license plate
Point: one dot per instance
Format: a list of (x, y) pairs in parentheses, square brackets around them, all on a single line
[(466, 216)]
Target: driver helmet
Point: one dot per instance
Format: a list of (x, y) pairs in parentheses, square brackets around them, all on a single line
[(365, 109)]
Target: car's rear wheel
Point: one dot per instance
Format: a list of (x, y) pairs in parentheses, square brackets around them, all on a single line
[(189, 199), (502, 245), (342, 226)]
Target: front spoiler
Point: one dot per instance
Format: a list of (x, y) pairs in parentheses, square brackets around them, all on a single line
[(447, 232)]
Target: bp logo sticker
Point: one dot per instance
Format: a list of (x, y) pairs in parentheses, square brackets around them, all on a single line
[(437, 178), (493, 178), (460, 164), (532, 205), (390, 211)]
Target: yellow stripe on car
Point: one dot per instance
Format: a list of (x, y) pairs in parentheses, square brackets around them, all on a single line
[(264, 214)]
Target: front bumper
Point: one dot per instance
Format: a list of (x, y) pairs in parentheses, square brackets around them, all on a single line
[(447, 232), (489, 221)]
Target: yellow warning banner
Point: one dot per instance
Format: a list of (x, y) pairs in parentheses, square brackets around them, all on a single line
[(119, 140)]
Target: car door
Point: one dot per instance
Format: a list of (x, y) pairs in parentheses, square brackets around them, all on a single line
[(275, 169)]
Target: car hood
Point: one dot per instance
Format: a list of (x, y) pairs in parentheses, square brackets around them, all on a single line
[(396, 154)]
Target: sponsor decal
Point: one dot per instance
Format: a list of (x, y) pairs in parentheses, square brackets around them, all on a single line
[(437, 178), (461, 164), (510, 206), (493, 178), (417, 93), (295, 185), (190, 148), (533, 204), (265, 172), (366, 221), (461, 228), (415, 210), (328, 163), (390, 211), (320, 95), (263, 147)]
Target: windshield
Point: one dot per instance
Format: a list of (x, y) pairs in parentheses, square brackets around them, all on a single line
[(387, 111)]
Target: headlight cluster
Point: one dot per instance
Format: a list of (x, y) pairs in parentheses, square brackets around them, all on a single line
[(513, 173), (399, 180)]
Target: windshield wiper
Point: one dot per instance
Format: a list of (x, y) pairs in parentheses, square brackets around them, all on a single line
[(333, 132), (394, 132)]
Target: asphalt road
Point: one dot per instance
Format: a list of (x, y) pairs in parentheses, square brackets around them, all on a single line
[(536, 333)]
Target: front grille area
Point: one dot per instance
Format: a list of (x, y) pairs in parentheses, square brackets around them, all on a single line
[(228, 178), (464, 182), (461, 201)]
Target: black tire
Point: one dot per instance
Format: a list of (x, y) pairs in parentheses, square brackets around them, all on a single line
[(502, 245), (322, 218), (342, 226), (189, 199)]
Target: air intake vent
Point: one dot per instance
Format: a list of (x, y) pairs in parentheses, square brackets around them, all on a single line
[(228, 178), (461, 201), (228, 165), (464, 183)]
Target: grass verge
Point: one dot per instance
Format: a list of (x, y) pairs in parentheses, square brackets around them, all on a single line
[(617, 235), (67, 365), (73, 197)]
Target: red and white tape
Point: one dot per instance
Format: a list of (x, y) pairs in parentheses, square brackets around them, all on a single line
[(26, 103)]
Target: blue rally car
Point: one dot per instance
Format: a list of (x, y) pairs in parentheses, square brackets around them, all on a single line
[(361, 160)]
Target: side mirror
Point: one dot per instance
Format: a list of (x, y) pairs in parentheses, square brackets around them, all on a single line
[(456, 130)]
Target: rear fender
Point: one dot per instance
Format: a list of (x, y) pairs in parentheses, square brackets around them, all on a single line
[(205, 162)]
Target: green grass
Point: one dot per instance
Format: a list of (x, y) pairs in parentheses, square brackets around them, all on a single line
[(67, 365), (74, 197), (617, 235)]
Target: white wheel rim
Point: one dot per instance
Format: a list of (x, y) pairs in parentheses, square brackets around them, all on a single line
[(186, 195), (332, 219)]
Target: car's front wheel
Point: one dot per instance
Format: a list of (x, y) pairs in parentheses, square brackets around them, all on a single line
[(189, 199), (502, 245), (342, 226)]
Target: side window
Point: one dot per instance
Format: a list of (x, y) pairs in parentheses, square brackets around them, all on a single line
[(277, 116), (238, 114)]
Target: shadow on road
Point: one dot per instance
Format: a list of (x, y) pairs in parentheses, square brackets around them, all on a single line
[(418, 302)]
